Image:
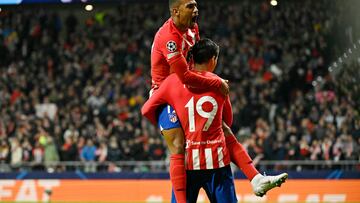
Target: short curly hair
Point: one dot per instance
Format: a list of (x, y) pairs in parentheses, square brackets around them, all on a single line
[(173, 3)]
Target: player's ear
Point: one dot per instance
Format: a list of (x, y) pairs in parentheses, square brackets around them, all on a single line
[(214, 59), (175, 11), (212, 64)]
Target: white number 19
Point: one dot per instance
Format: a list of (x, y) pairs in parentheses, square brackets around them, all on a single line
[(209, 115)]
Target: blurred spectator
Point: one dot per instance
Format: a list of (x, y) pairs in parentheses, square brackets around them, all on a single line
[(114, 152), (51, 156), (101, 153), (16, 153), (4, 152), (88, 155), (69, 150), (88, 152), (38, 156)]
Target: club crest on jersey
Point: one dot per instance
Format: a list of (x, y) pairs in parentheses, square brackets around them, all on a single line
[(172, 117), (171, 46)]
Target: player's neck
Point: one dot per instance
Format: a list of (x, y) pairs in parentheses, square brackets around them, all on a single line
[(177, 24), (201, 67)]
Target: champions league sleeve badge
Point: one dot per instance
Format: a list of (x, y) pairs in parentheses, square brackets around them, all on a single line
[(171, 46)]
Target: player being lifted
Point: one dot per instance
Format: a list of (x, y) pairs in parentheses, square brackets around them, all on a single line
[(170, 47)]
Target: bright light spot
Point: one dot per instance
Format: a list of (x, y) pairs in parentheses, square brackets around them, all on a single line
[(273, 2), (314, 83), (319, 78), (330, 69), (0, 9), (89, 7), (83, 1)]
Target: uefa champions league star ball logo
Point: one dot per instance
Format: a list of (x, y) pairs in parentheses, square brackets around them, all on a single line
[(171, 46)]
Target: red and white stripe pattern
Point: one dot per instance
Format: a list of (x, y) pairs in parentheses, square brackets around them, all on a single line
[(207, 158)]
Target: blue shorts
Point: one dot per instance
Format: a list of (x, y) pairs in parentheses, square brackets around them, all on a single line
[(168, 119), (217, 183)]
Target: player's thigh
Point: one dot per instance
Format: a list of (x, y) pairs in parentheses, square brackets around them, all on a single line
[(170, 127), (225, 191), (193, 185), (175, 140), (221, 189), (192, 193)]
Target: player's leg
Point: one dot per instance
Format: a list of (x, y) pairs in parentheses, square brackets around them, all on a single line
[(221, 188), (175, 141), (260, 184), (174, 136), (193, 185), (238, 154)]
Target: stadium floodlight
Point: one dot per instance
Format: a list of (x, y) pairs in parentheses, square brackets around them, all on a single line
[(2, 2), (89, 7), (273, 2)]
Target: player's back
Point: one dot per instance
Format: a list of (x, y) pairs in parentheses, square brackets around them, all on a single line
[(200, 115)]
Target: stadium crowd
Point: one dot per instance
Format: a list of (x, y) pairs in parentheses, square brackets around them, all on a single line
[(71, 86)]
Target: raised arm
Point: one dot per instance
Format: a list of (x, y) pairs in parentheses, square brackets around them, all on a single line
[(188, 77), (172, 52), (227, 112)]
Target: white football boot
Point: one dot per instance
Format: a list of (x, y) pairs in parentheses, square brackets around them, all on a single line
[(261, 184)]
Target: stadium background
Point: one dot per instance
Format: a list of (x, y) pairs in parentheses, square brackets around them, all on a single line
[(73, 81)]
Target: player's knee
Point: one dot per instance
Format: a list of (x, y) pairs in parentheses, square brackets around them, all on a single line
[(178, 145), (178, 148)]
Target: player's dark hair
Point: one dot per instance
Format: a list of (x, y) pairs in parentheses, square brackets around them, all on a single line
[(204, 50), (172, 3)]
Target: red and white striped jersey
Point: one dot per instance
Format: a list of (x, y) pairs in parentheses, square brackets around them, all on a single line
[(201, 115), (206, 156)]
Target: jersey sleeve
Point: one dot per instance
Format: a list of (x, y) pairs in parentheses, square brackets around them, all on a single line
[(170, 47), (158, 98), (227, 112), (191, 78)]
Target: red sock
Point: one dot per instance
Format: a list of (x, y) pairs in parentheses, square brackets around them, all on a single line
[(178, 177), (240, 157)]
